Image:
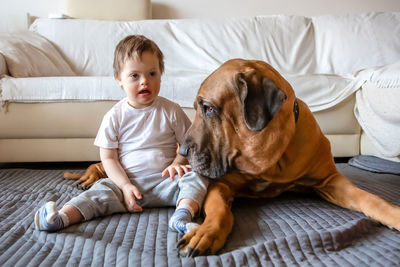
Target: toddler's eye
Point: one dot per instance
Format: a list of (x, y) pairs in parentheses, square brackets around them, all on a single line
[(153, 73), (135, 76)]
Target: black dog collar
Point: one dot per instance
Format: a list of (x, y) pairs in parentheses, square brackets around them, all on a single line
[(296, 110)]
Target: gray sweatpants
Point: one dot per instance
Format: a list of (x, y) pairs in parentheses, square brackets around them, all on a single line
[(105, 198)]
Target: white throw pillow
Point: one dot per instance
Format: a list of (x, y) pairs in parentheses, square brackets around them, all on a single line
[(29, 54)]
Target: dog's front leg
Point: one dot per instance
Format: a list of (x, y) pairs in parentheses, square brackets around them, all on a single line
[(212, 234), (341, 191)]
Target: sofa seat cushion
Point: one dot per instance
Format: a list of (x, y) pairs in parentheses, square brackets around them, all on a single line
[(38, 89), (320, 92)]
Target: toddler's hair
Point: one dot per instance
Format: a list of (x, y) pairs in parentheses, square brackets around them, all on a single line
[(132, 47)]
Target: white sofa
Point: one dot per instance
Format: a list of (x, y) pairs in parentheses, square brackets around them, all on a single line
[(52, 107)]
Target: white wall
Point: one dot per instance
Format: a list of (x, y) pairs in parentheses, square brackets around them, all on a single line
[(165, 9), (13, 13)]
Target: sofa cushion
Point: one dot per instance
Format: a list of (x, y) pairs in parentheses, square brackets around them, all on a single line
[(3, 66), (320, 92), (60, 89), (28, 54), (349, 43), (327, 44), (190, 46)]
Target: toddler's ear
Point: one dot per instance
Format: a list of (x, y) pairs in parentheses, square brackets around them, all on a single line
[(118, 79), (119, 82)]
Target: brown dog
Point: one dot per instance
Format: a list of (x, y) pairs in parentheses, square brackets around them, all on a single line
[(92, 174), (255, 138)]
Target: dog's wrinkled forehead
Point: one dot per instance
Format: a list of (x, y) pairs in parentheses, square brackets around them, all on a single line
[(220, 82), (226, 76), (213, 89), (254, 70), (220, 78)]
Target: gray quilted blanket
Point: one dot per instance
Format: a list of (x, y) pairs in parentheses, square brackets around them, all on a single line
[(290, 230)]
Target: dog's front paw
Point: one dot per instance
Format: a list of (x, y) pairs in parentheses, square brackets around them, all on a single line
[(202, 240)]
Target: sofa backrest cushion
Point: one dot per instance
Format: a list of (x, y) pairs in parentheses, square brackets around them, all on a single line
[(28, 54), (292, 44), (190, 45), (349, 43)]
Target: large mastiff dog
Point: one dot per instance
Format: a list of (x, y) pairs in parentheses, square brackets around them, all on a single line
[(254, 138)]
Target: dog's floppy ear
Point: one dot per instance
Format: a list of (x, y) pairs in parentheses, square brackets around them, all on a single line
[(261, 99)]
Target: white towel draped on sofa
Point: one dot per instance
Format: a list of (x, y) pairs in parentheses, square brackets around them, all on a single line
[(378, 108)]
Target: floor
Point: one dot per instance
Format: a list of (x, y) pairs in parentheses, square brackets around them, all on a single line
[(46, 165), (74, 165)]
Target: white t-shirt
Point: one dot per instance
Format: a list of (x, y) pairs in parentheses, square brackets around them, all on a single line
[(146, 138)]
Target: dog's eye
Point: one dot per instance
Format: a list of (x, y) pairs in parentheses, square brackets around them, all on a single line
[(208, 110)]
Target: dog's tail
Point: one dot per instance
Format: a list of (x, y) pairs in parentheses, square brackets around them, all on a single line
[(70, 175)]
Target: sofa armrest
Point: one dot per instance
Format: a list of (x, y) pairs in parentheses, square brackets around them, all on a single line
[(3, 66)]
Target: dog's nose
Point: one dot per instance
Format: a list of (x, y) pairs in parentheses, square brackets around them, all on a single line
[(183, 150)]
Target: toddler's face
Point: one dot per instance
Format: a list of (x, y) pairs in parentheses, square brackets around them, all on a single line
[(141, 80)]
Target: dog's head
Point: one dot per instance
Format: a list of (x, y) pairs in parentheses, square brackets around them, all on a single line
[(244, 120)]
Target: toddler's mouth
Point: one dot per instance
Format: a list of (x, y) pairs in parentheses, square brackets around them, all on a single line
[(144, 92)]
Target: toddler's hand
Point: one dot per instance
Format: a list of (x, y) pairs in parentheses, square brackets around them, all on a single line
[(176, 169), (131, 193)]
